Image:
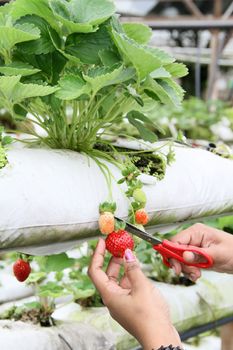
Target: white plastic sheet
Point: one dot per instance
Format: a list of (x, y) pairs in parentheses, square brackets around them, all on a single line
[(49, 199), (22, 336), (10, 288), (209, 300)]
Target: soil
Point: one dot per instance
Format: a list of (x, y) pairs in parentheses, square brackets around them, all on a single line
[(179, 280), (147, 162), (93, 301), (37, 317), (150, 164), (34, 316)]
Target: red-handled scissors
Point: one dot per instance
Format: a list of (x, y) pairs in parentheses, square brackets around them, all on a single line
[(170, 250)]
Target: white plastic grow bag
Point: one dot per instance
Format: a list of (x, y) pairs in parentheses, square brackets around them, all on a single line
[(10, 288), (209, 300), (50, 198), (22, 336)]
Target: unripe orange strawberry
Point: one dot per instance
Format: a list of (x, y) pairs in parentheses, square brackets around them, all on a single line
[(141, 217), (106, 223)]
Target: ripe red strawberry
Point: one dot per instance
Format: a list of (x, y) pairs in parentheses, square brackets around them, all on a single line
[(106, 223), (21, 269), (141, 217), (118, 241)]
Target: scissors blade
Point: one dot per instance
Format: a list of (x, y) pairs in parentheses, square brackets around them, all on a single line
[(139, 233)]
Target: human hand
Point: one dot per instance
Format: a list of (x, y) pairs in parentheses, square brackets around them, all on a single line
[(218, 244), (133, 301)]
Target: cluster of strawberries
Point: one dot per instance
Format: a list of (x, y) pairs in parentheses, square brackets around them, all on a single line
[(118, 240)]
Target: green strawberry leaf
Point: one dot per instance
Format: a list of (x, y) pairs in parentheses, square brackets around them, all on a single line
[(139, 54), (52, 289), (50, 65), (39, 8), (133, 93), (81, 16), (166, 90), (145, 119), (58, 262), (72, 87), (160, 73), (18, 68), (5, 10), (109, 57), (10, 36), (177, 70), (142, 117), (36, 277), (139, 32), (137, 119), (44, 44), (88, 46), (93, 12), (100, 77), (79, 293), (6, 140), (12, 91)]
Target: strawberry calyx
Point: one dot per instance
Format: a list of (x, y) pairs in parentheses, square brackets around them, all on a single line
[(25, 257), (107, 207), (119, 225)]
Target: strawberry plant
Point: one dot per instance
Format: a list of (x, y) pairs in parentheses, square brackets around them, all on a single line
[(4, 141), (195, 118), (77, 70), (53, 277)]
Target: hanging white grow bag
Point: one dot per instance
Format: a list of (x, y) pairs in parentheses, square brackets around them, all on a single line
[(50, 198), (22, 336), (209, 300), (10, 288)]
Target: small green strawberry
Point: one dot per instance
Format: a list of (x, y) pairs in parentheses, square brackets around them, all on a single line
[(139, 196)]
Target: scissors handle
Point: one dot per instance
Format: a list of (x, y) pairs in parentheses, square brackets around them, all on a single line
[(170, 250)]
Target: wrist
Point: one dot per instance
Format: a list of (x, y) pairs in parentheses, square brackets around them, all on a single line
[(170, 347), (160, 335)]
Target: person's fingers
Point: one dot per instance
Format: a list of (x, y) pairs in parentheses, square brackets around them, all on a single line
[(194, 257), (191, 257), (176, 266), (193, 275), (125, 283), (113, 269), (194, 235), (191, 271), (97, 275), (133, 271)]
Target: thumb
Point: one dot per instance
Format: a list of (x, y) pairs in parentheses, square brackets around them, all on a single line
[(133, 271)]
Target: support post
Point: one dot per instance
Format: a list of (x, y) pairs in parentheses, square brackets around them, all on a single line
[(215, 53), (193, 8)]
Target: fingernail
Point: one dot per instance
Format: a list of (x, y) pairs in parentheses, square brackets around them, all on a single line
[(129, 256), (192, 277)]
